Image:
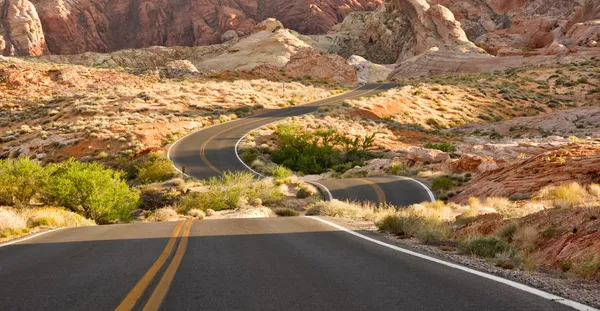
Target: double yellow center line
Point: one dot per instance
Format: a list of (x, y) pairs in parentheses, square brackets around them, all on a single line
[(160, 292)]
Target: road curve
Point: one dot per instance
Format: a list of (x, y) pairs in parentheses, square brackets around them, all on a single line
[(295, 263), (211, 151)]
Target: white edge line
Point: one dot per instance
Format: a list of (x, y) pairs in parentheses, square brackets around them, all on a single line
[(236, 146), (264, 125), (29, 237), (326, 192), (431, 195), (573, 304)]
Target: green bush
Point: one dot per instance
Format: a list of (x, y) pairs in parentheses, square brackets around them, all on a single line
[(303, 193), (444, 146), (156, 169), (314, 152), (286, 212), (280, 172), (20, 180), (442, 183), (90, 190), (486, 247)]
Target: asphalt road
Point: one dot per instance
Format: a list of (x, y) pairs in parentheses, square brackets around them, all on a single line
[(211, 151), (294, 263)]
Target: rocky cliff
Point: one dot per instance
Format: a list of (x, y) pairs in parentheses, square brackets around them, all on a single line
[(77, 26)]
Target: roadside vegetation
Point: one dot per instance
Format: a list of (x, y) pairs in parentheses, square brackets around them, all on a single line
[(508, 234)]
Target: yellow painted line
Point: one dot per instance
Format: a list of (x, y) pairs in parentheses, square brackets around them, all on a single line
[(161, 290), (130, 300), (380, 193), (205, 144)]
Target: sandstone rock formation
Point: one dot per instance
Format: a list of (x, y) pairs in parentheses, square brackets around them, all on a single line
[(20, 29), (380, 36), (367, 71), (269, 46), (506, 27), (578, 163), (77, 26)]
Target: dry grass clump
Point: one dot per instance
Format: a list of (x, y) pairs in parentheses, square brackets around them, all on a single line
[(196, 213), (17, 222), (164, 214), (54, 217), (209, 212), (566, 195), (336, 208), (11, 223)]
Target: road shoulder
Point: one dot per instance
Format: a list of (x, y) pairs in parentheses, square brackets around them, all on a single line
[(585, 292)]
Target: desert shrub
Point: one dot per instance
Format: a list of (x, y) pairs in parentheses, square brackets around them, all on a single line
[(156, 169), (314, 152), (313, 210), (564, 196), (280, 172), (54, 217), (526, 238), (90, 190), (196, 213), (509, 259), (209, 212), (11, 222), (304, 192), (164, 214), (443, 146), (286, 212), (232, 190), (395, 169), (442, 183), (508, 231), (154, 198), (397, 225), (585, 267), (549, 232), (20, 180), (248, 155), (486, 247)]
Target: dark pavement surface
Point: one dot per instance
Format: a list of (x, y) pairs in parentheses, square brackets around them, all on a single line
[(241, 264)]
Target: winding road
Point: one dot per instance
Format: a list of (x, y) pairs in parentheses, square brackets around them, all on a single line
[(211, 151), (291, 263)]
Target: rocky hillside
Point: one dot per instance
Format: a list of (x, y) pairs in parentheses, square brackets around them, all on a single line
[(36, 27)]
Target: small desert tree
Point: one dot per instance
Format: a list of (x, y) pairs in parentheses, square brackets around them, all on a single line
[(20, 181), (91, 190)]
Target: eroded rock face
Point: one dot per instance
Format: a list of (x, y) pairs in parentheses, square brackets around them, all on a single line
[(308, 62), (513, 27), (20, 29), (77, 26)]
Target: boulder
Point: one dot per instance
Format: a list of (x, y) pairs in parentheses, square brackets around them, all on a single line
[(180, 68), (423, 155), (308, 62)]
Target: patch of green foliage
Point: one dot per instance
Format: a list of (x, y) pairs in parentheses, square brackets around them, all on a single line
[(90, 190), (156, 169), (20, 180), (443, 146), (314, 152)]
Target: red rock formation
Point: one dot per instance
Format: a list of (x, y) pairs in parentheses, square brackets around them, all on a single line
[(77, 26), (579, 163)]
